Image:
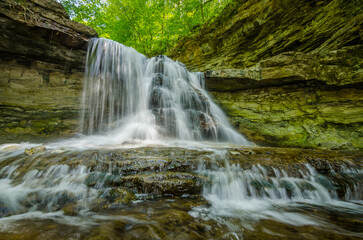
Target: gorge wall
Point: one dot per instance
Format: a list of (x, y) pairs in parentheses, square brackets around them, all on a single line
[(41, 69), (287, 73)]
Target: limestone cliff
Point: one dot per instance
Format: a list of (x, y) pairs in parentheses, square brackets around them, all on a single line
[(42, 55), (287, 73), (252, 30)]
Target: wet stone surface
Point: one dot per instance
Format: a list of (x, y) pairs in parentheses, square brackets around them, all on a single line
[(158, 192), (171, 219)]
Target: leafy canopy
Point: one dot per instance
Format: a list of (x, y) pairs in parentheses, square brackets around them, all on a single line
[(150, 26)]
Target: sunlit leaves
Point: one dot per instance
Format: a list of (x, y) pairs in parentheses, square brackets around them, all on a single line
[(150, 26)]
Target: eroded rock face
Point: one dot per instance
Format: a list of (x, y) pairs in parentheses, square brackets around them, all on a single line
[(287, 73), (302, 115), (296, 99), (41, 30), (251, 31), (339, 68), (41, 69)]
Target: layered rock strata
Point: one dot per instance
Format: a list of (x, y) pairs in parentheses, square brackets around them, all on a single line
[(250, 31), (296, 99), (172, 171), (287, 73), (41, 69)]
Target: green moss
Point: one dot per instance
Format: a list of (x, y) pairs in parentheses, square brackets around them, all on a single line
[(259, 30), (307, 116), (36, 127), (120, 196)]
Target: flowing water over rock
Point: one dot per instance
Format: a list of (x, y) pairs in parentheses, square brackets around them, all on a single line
[(144, 168), (133, 97), (164, 192)]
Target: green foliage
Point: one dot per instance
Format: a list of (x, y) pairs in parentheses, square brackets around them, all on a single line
[(88, 12), (150, 26)]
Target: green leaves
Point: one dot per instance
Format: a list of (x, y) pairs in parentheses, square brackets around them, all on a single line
[(150, 26)]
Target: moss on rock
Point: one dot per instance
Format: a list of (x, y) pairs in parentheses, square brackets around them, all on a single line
[(308, 115)]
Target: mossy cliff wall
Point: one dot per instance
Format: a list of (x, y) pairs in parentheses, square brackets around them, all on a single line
[(287, 73), (42, 56)]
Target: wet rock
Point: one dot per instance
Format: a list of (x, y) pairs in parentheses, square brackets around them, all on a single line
[(119, 176), (124, 196), (99, 204), (246, 152), (71, 210), (10, 148), (119, 196), (163, 219), (174, 183), (158, 79), (187, 216), (130, 142), (35, 150), (234, 153), (4, 210), (141, 165)]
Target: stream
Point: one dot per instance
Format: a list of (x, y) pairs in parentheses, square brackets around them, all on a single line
[(156, 158)]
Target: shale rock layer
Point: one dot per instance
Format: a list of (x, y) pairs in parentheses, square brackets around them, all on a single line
[(287, 73), (41, 69)]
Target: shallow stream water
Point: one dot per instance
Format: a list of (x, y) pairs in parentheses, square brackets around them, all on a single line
[(65, 193), (156, 158)]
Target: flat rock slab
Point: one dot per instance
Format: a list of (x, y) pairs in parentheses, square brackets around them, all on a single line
[(175, 171)]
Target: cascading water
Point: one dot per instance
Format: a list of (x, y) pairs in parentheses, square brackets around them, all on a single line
[(241, 197), (132, 97), (86, 181)]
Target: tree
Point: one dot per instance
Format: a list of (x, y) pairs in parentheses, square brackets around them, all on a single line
[(150, 26), (87, 12)]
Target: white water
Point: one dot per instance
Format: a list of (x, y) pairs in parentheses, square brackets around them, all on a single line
[(44, 190), (157, 101), (239, 198), (254, 194), (127, 96)]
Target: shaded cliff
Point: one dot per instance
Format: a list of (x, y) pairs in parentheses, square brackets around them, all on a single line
[(41, 69), (287, 73), (250, 31), (296, 99)]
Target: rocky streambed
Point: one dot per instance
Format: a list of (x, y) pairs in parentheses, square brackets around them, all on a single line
[(165, 192)]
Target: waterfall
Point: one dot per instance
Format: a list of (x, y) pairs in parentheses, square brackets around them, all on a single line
[(94, 181), (148, 99)]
